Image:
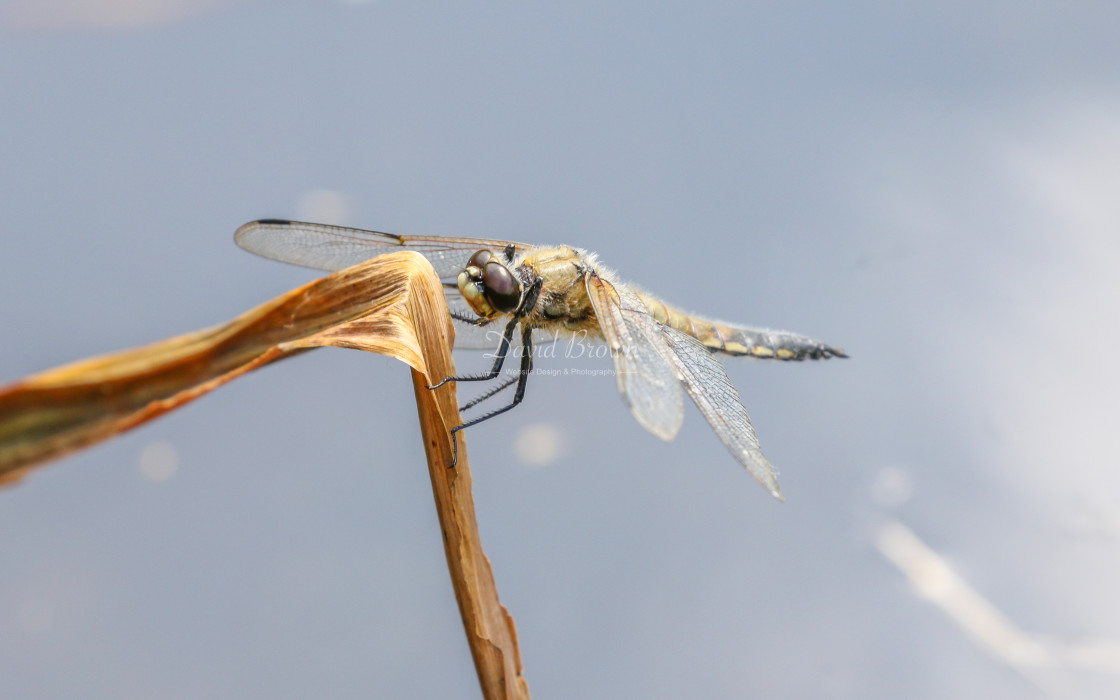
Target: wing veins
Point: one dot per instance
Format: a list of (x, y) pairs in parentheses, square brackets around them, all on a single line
[(647, 383), (710, 388)]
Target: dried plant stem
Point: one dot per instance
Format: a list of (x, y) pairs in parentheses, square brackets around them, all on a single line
[(489, 626)]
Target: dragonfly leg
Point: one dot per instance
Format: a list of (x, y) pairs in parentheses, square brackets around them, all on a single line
[(507, 337), (522, 378), (479, 399), (499, 359), (471, 320)]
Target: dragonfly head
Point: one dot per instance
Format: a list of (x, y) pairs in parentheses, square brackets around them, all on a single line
[(489, 286)]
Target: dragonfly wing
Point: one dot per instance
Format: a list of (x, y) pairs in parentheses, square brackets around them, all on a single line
[(647, 382), (326, 247), (470, 336), (706, 381)]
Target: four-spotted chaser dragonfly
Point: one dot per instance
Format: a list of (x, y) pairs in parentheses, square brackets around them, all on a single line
[(558, 291)]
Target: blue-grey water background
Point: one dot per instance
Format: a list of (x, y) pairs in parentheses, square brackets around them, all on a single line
[(933, 187)]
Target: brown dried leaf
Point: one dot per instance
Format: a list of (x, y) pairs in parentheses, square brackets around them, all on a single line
[(58, 411), (392, 305)]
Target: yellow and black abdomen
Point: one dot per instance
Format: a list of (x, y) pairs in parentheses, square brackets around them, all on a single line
[(741, 340)]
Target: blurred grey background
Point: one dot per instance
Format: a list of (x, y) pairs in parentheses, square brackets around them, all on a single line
[(932, 187)]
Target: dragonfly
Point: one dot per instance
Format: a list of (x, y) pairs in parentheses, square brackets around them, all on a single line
[(552, 292)]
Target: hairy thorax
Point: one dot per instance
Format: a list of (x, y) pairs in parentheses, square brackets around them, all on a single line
[(562, 306)]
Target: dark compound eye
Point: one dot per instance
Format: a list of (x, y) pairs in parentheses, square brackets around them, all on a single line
[(479, 259), (502, 290)]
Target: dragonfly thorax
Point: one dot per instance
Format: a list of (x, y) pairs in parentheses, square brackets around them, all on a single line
[(489, 286)]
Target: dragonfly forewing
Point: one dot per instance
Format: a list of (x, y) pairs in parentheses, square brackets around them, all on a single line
[(326, 247)]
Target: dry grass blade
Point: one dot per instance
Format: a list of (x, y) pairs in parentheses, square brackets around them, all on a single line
[(392, 305)]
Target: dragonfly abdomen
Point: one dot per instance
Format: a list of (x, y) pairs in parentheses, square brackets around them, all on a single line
[(768, 344), (740, 340)]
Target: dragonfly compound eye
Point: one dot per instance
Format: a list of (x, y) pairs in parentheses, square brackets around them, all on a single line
[(480, 259), (502, 290)]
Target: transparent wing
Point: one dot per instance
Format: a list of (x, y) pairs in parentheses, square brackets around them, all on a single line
[(711, 389), (469, 336), (326, 247), (647, 382)]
